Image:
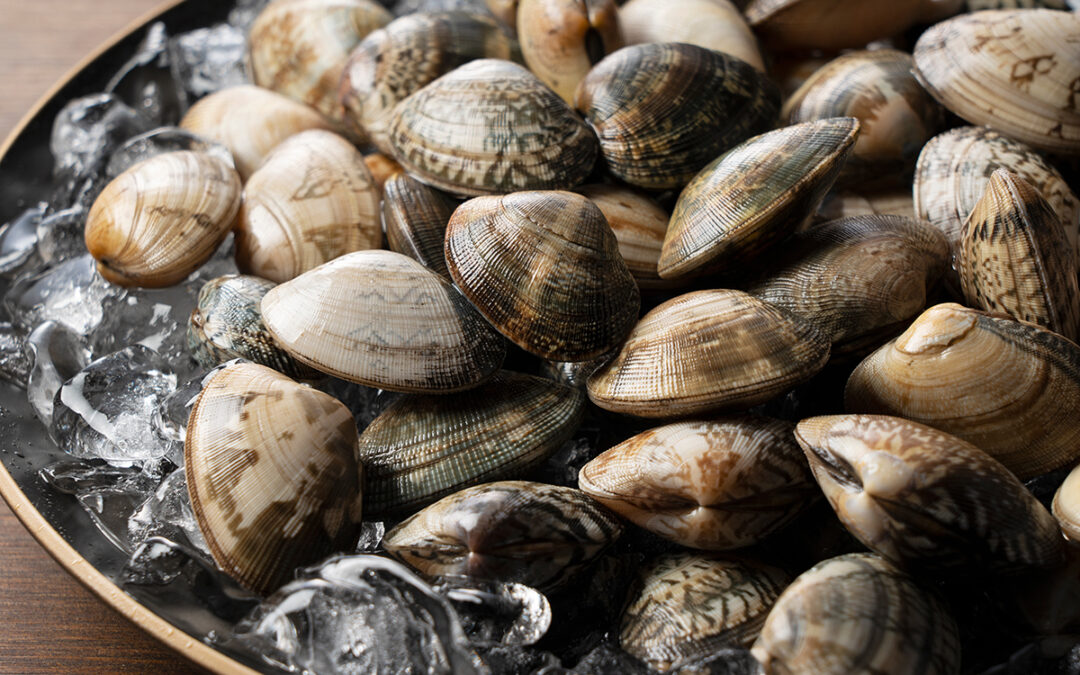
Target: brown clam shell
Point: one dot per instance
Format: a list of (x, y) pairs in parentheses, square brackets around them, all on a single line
[(712, 24), (639, 224), (832, 24), (415, 217)]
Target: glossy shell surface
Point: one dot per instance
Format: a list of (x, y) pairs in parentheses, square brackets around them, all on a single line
[(713, 24), (415, 217), (639, 224)]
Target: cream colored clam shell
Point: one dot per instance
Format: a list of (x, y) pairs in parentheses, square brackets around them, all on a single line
[(1066, 505), (639, 224), (713, 24)]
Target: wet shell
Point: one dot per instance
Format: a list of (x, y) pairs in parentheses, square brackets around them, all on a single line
[(271, 474), (690, 606), (831, 24), (663, 111), (530, 533), (1017, 71), (425, 447), (1010, 389), (707, 351), (754, 196), (925, 499), (857, 613), (415, 218), (712, 24), (713, 485), (393, 63), (847, 203), (250, 122), (490, 126), (639, 224), (1066, 505), (298, 48), (160, 220), (384, 320), (1014, 258), (544, 268)]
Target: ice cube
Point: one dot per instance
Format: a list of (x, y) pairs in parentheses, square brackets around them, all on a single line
[(154, 318), (14, 359), (159, 141), (167, 513), (209, 59), (72, 292), (145, 81), (371, 536), (60, 235), (366, 403), (171, 416), (18, 239), (493, 612), (56, 355)]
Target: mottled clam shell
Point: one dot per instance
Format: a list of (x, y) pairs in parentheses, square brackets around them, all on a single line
[(396, 61), (160, 220), (544, 268), (1015, 259), (298, 48), (382, 319), (754, 196), (857, 613), (707, 351), (422, 448), (1066, 506), (271, 474), (1010, 389), (529, 533), (925, 499), (662, 111), (415, 217), (1017, 71), (491, 126), (713, 485), (690, 606), (712, 24), (639, 224), (832, 24), (312, 200)]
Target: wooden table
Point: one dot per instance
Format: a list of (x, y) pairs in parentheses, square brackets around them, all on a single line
[(49, 623)]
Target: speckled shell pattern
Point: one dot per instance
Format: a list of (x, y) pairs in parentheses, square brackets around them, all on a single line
[(830, 25), (925, 499), (312, 200), (1066, 505), (161, 219), (1017, 71), (271, 473), (490, 127), (382, 319), (530, 533), (394, 62), (753, 196), (858, 613), (712, 24), (639, 224), (1009, 388), (690, 605), (708, 351), (422, 448), (718, 484), (662, 111), (415, 217), (544, 268)]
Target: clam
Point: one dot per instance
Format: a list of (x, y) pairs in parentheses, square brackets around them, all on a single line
[(160, 220), (717, 485), (663, 111), (639, 224), (753, 196), (1066, 505), (712, 24), (529, 533), (979, 5), (1014, 258), (925, 499), (690, 605), (544, 268), (271, 474), (1017, 71), (857, 613), (422, 448), (845, 203), (312, 200), (382, 168), (505, 11), (384, 320), (415, 218), (707, 351), (1009, 388)]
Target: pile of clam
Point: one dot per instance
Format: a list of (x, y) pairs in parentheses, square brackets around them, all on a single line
[(633, 218)]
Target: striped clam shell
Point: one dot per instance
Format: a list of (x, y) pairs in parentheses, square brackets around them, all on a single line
[(639, 224), (712, 24), (925, 499), (422, 448), (415, 217), (691, 605), (718, 484), (529, 533), (858, 613)]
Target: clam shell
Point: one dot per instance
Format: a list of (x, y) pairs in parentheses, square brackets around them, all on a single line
[(271, 474), (712, 24), (1066, 506), (858, 613), (1011, 389), (160, 220), (422, 448), (846, 203), (754, 196), (415, 218), (663, 111), (714, 485), (639, 224), (1017, 71), (491, 126), (832, 24), (979, 5), (529, 533), (690, 606), (925, 499), (312, 200), (382, 168), (544, 268), (384, 320), (505, 11), (707, 351)]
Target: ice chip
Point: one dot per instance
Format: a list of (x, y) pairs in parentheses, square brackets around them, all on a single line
[(60, 235), (171, 416), (494, 612), (221, 263), (72, 293), (14, 357), (56, 355), (209, 59), (365, 403), (168, 513), (18, 239), (516, 660), (371, 536), (158, 141), (154, 318), (145, 81)]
